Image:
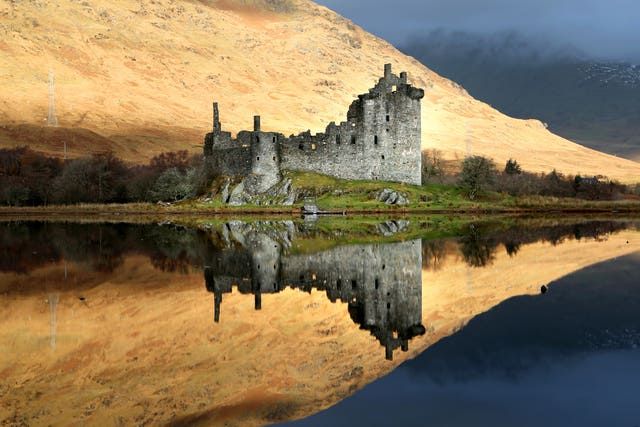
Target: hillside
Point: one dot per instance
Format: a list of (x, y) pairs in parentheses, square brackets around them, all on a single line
[(588, 101), (143, 75)]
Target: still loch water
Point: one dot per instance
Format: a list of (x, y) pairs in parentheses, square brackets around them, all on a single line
[(418, 321)]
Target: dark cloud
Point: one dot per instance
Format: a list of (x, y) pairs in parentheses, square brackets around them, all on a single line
[(607, 29)]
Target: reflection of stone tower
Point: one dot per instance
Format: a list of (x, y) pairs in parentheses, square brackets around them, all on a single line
[(253, 267), (217, 293), (381, 283), (52, 120), (265, 266), (53, 309)]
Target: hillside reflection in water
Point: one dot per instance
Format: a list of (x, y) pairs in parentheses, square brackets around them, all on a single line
[(113, 322)]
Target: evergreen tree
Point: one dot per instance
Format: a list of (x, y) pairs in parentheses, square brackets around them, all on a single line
[(512, 168)]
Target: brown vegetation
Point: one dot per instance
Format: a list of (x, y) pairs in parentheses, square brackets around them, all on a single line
[(477, 173), (30, 179)]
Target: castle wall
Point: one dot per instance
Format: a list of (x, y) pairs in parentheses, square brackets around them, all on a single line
[(227, 156), (381, 140), (399, 136), (339, 152)]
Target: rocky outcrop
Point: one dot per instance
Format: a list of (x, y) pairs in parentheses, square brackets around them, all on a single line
[(282, 194), (391, 197)]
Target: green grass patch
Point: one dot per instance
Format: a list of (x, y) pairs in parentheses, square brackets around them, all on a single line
[(341, 194)]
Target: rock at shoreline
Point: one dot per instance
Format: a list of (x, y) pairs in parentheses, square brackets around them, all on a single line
[(282, 194), (391, 197)]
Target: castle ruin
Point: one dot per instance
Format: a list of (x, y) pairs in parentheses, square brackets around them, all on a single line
[(380, 140)]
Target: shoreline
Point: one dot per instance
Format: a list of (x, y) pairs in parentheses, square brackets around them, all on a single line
[(141, 210)]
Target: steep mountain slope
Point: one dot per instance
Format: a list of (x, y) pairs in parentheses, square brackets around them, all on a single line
[(591, 102), (144, 74)]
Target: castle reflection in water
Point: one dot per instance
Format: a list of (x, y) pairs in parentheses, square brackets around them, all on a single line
[(380, 283)]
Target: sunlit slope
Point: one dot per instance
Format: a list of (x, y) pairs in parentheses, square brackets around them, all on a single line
[(145, 73), (131, 349)]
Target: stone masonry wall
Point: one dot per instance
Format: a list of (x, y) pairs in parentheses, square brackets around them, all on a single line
[(265, 160), (380, 140), (228, 156)]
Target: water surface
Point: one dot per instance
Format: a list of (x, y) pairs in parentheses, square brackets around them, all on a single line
[(259, 322)]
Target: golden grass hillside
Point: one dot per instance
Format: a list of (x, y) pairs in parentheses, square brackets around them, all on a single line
[(143, 75)]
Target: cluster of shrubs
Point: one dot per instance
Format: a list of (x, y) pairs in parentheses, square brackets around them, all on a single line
[(28, 178), (479, 173)]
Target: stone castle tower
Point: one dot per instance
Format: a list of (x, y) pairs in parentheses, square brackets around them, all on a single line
[(380, 140)]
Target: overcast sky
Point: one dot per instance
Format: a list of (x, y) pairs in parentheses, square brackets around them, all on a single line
[(608, 29)]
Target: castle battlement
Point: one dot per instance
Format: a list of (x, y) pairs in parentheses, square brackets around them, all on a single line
[(380, 140)]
